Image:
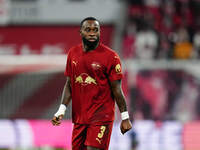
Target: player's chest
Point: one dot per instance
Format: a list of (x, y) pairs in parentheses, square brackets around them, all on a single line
[(89, 62)]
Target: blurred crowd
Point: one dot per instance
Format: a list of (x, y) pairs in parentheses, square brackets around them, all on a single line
[(165, 95), (162, 29)]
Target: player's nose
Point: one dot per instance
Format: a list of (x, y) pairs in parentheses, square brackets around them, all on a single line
[(92, 34)]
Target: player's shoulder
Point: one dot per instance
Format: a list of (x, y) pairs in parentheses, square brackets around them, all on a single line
[(74, 49), (109, 50)]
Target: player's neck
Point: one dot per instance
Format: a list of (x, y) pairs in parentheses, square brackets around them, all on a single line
[(87, 48)]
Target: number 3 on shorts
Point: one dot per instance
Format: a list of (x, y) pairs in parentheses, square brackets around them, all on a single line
[(102, 130)]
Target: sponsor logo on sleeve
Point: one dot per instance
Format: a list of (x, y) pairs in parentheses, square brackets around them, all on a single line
[(118, 68)]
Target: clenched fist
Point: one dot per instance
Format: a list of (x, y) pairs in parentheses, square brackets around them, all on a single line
[(56, 121), (125, 126)]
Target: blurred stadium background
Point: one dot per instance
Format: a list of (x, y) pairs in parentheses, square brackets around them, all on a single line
[(158, 42)]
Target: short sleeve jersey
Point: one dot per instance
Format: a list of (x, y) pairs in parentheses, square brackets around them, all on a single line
[(90, 74)]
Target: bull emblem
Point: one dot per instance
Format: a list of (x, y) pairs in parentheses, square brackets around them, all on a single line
[(84, 80), (79, 79), (90, 80)]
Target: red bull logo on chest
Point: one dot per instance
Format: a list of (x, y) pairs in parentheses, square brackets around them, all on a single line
[(85, 79)]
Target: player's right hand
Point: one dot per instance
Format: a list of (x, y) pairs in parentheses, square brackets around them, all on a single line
[(56, 121)]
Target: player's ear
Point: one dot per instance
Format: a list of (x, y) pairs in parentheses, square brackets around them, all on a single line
[(80, 32)]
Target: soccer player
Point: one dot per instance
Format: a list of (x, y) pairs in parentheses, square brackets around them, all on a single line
[(93, 82)]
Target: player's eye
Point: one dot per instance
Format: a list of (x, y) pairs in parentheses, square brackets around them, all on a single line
[(87, 29), (96, 29)]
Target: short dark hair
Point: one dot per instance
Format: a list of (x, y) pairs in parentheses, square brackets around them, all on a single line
[(88, 18)]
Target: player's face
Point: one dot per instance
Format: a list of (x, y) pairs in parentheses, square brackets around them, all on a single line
[(90, 32)]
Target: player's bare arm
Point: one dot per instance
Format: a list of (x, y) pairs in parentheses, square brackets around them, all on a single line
[(65, 100), (121, 103)]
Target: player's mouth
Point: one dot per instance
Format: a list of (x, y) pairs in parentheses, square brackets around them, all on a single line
[(92, 39)]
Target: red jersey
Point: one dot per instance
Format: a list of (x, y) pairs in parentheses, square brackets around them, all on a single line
[(90, 74)]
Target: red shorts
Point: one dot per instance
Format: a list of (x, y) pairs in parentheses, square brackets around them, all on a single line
[(94, 135)]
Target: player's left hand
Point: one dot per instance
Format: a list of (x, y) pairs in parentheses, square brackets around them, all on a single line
[(56, 121), (125, 126)]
